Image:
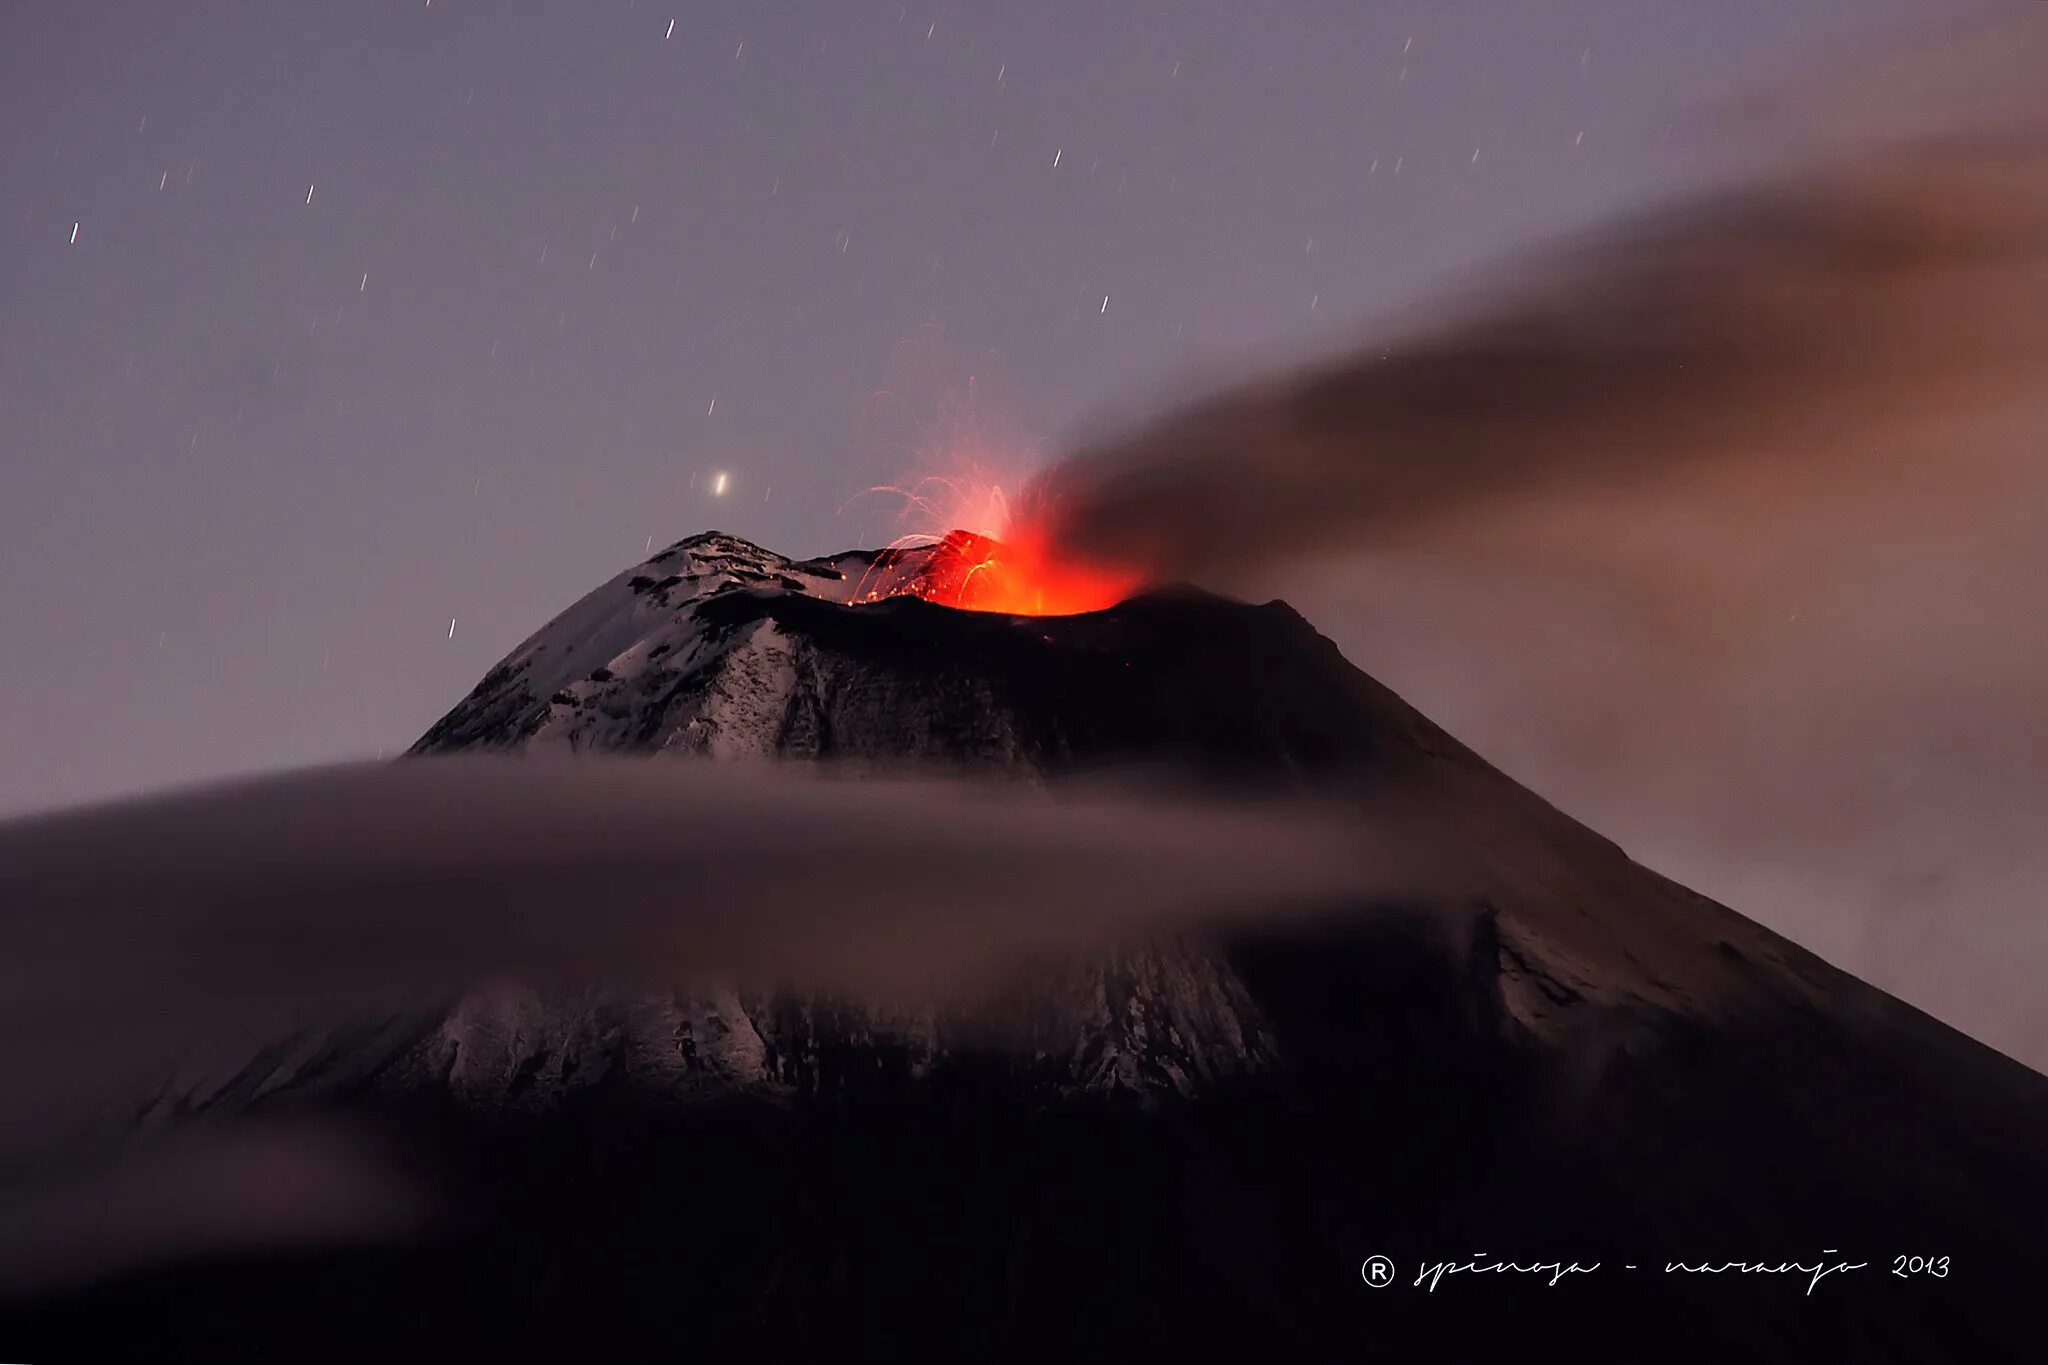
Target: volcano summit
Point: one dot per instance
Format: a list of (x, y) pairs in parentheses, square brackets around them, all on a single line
[(1190, 1142)]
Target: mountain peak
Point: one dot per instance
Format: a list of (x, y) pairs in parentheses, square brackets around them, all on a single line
[(608, 672)]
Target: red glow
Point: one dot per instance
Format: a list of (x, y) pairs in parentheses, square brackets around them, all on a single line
[(1017, 577), (1005, 563), (963, 543)]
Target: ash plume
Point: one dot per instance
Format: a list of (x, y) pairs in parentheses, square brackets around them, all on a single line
[(1722, 524), (1780, 325)]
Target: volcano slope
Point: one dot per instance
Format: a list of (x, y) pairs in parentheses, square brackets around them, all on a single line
[(1193, 1141)]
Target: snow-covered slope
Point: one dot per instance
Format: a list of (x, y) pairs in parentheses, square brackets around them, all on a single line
[(604, 670), (719, 649)]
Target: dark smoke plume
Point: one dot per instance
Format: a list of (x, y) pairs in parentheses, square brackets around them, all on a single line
[(1781, 328), (1726, 526)]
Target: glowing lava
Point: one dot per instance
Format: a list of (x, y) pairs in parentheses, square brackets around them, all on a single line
[(1014, 576), (982, 554), (1012, 570)]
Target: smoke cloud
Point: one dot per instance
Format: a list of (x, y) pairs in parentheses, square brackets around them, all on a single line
[(1722, 526), (1779, 328)]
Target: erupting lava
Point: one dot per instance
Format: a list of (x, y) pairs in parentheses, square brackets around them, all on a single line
[(1014, 576), (1010, 568)]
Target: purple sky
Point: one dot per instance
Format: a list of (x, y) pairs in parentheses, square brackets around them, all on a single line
[(261, 449), (247, 491)]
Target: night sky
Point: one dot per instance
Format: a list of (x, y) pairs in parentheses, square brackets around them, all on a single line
[(326, 326)]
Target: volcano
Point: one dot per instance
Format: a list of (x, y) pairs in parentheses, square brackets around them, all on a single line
[(1201, 1141)]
